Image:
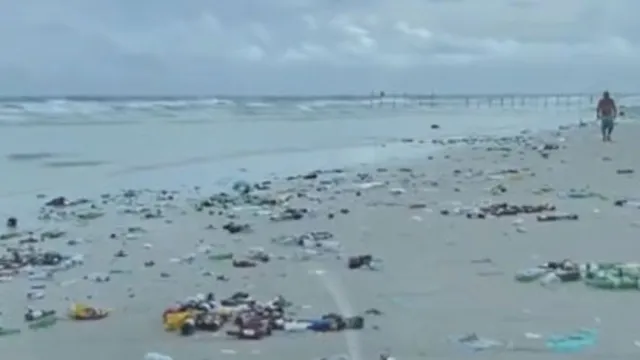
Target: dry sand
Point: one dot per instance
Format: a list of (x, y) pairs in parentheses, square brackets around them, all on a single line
[(431, 287)]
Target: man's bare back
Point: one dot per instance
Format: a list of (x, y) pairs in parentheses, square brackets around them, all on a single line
[(606, 107), (606, 113)]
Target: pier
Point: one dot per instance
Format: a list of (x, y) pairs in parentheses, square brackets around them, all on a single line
[(383, 99)]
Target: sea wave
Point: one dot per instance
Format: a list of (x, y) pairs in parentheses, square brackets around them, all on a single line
[(25, 111)]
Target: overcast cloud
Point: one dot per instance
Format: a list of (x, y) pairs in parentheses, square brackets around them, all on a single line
[(317, 46)]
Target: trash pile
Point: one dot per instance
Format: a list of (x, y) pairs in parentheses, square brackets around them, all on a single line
[(552, 271), (60, 208), (612, 276), (247, 318), (18, 258), (37, 264), (244, 197)]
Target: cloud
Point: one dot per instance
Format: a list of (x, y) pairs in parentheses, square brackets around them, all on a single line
[(315, 46)]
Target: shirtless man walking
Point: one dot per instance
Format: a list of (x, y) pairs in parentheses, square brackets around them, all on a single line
[(606, 113)]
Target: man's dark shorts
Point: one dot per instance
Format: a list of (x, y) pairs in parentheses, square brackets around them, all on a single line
[(607, 124)]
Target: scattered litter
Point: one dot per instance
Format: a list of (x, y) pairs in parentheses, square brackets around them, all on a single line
[(234, 219)]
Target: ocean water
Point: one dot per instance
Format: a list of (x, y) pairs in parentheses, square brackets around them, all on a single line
[(81, 146)]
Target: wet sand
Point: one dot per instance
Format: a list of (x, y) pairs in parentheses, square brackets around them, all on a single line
[(436, 282)]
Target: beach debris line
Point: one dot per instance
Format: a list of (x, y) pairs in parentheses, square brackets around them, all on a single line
[(499, 210)]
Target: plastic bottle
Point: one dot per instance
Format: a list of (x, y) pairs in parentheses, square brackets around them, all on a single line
[(321, 325), (33, 315), (376, 264), (550, 279), (9, 331), (40, 276), (329, 246), (188, 328), (530, 274), (98, 277), (70, 263), (157, 356), (221, 256), (630, 269), (305, 254), (296, 326), (557, 217), (44, 322), (35, 295)]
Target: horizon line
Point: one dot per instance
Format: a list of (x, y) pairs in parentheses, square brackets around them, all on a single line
[(369, 95)]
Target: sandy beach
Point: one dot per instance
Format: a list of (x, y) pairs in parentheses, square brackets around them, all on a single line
[(443, 276)]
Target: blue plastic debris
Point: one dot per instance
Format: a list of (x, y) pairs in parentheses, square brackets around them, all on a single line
[(572, 342)]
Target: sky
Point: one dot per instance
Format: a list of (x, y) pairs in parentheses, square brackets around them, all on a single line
[(175, 47)]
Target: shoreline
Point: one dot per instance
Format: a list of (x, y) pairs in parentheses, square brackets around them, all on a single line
[(430, 273)]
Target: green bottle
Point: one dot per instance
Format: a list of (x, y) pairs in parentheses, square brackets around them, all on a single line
[(222, 256), (9, 331), (44, 323)]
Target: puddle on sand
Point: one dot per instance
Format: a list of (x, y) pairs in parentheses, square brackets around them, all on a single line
[(30, 156), (79, 163)]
